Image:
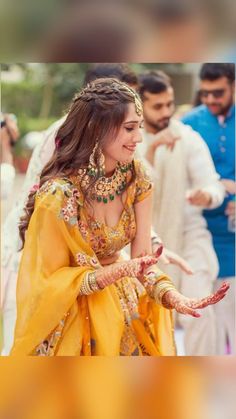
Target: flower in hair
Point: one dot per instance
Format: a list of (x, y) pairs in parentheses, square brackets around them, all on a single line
[(58, 142), (35, 187)]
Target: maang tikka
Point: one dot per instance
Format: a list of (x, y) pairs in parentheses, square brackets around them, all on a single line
[(98, 169)]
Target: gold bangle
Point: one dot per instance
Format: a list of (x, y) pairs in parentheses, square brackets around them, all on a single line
[(84, 289), (159, 298), (150, 280), (152, 277), (154, 282), (92, 281), (161, 289)]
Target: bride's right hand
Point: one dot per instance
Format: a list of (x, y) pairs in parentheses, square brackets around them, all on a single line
[(133, 268)]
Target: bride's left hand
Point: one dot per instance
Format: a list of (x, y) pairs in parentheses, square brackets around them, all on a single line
[(174, 300)]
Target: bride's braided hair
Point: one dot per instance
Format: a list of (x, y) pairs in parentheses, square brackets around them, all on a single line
[(100, 90), (95, 113)]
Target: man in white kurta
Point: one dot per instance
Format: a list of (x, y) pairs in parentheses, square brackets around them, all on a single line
[(185, 182)]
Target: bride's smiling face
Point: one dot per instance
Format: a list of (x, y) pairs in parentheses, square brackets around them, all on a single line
[(123, 146)]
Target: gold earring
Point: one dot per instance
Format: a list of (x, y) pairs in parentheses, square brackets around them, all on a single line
[(99, 169), (101, 163)]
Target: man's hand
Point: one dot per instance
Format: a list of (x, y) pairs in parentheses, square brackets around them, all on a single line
[(166, 256), (230, 186), (164, 137), (230, 209), (199, 198)]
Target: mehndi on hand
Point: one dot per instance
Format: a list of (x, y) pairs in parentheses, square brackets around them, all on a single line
[(106, 276), (174, 300)]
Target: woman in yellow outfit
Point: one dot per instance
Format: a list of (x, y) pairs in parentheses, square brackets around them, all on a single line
[(75, 296)]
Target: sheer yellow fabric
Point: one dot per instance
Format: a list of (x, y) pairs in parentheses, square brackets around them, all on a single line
[(51, 318), (48, 289)]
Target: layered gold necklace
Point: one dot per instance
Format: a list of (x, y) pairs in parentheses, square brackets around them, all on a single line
[(105, 189)]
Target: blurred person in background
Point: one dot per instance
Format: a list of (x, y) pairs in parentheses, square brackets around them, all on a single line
[(9, 136), (10, 244), (185, 183), (119, 71), (214, 120), (40, 157), (93, 199)]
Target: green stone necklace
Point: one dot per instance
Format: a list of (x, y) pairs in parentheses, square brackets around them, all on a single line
[(105, 188)]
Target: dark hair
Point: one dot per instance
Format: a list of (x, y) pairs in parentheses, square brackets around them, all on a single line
[(96, 112), (153, 82), (213, 71), (118, 71)]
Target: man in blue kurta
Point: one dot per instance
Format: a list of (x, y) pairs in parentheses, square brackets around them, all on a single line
[(214, 120)]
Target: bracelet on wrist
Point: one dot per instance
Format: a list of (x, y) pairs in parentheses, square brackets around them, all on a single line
[(89, 284), (161, 289), (154, 282)]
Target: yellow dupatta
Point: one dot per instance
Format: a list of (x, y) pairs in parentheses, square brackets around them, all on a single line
[(49, 283)]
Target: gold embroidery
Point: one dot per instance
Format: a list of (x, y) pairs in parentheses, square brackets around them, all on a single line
[(49, 345)]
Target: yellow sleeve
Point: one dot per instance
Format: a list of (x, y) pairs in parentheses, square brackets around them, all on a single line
[(54, 261), (144, 185)]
